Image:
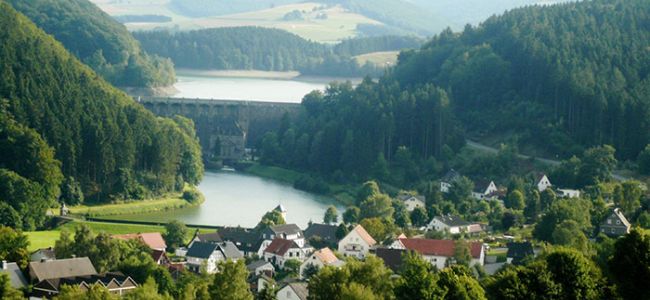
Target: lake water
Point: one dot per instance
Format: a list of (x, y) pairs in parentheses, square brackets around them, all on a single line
[(233, 199), (258, 89)]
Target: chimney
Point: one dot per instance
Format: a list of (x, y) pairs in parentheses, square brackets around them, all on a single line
[(4, 264)]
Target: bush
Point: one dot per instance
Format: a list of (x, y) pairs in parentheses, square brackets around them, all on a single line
[(192, 196), (310, 184)]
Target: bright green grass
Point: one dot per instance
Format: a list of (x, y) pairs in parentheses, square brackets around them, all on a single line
[(44, 239), (276, 173)]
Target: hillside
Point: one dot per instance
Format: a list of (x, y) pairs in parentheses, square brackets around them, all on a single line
[(103, 142), (554, 79), (99, 41)]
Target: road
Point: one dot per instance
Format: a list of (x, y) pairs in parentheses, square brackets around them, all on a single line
[(474, 145)]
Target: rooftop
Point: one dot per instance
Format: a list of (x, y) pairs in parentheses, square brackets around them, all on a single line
[(439, 247), (152, 239), (364, 235), (16, 276), (280, 246), (450, 220), (61, 268)]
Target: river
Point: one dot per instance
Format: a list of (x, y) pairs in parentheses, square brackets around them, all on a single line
[(238, 199)]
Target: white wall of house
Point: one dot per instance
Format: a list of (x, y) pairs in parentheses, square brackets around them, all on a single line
[(543, 184), (279, 260), (287, 293), (412, 203), (567, 193), (210, 263), (312, 260), (438, 225), (445, 186), (353, 245)]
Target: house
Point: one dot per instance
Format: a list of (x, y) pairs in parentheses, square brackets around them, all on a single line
[(43, 254), (248, 241), (160, 257), (153, 240), (263, 281), (439, 252), (324, 233), (60, 268), (518, 251), (483, 191), (356, 243), (615, 224), (568, 193), (392, 257), (543, 183), (448, 180), (320, 259), (293, 291), (282, 210), (213, 237), (115, 282), (260, 267), (281, 250), (286, 231), (16, 277), (411, 202), (453, 225), (209, 255)]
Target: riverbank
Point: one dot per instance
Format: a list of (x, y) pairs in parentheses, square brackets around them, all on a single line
[(259, 74), (169, 201), (343, 194)]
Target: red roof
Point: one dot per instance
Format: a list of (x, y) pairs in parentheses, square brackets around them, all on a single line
[(280, 246), (439, 247), (152, 239), (157, 255)]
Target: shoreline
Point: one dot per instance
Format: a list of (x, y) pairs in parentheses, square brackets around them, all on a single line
[(259, 74)]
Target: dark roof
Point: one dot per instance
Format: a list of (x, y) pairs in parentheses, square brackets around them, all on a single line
[(245, 239), (324, 231), (16, 277), (209, 237), (617, 213), (256, 264), (392, 257), (45, 253), (118, 279), (404, 197), (280, 208), (450, 220), (230, 251), (280, 246), (158, 254), (61, 268), (201, 249), (450, 176), (519, 250), (481, 185)]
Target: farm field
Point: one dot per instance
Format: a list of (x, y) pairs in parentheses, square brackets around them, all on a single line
[(388, 58)]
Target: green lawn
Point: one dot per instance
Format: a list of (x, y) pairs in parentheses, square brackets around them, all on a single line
[(44, 239)]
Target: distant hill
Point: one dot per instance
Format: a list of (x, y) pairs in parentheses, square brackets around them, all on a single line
[(555, 78), (99, 41), (104, 142), (207, 8)]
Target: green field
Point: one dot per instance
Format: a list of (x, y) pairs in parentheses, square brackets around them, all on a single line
[(387, 58), (44, 239), (339, 24)]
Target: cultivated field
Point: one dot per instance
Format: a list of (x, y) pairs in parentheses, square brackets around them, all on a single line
[(387, 58)]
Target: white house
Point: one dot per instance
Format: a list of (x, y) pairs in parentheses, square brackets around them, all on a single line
[(439, 252), (320, 259), (453, 225), (357, 243), (484, 191), (448, 180), (543, 183), (281, 250), (287, 232), (568, 193), (411, 202), (293, 291), (260, 267), (208, 255)]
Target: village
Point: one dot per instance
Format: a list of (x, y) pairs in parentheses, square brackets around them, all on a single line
[(284, 257)]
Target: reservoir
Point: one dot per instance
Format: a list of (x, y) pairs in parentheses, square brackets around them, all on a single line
[(237, 199)]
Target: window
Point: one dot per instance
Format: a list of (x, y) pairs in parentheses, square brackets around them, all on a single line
[(618, 222), (613, 230), (609, 221)]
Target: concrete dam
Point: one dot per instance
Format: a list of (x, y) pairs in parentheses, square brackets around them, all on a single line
[(225, 127)]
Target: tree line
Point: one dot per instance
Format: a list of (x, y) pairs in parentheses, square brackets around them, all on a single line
[(60, 120), (99, 41), (267, 49)]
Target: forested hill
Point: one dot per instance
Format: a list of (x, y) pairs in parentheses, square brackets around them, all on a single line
[(103, 142), (556, 77), (99, 41), (243, 48)]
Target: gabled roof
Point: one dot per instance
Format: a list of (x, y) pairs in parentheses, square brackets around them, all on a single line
[(619, 214), (280, 208), (300, 289), (452, 221), (230, 251), (62, 268), (202, 250), (281, 246), (480, 186), (44, 253), (450, 176), (286, 229), (258, 264), (213, 237), (404, 197), (392, 257), (540, 177), (364, 235), (245, 239), (326, 256), (152, 239), (325, 231), (439, 247), (111, 280), (157, 255), (16, 276)]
